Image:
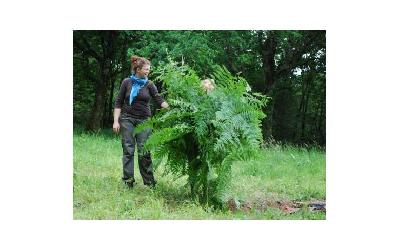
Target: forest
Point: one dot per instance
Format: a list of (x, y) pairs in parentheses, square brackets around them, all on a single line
[(289, 67)]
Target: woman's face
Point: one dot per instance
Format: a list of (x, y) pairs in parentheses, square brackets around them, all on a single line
[(143, 72)]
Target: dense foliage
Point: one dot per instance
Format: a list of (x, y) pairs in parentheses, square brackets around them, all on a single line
[(288, 66), (203, 133)]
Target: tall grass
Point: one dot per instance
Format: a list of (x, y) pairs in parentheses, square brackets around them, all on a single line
[(279, 173)]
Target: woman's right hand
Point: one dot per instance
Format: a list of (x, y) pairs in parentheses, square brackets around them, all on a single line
[(116, 127)]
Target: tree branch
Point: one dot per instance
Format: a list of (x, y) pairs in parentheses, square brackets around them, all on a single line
[(85, 48)]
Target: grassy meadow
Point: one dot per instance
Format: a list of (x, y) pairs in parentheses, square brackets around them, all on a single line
[(259, 188)]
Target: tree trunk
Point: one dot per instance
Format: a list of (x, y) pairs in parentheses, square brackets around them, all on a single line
[(106, 61), (110, 101), (105, 112), (321, 119), (96, 118), (309, 78), (268, 49)]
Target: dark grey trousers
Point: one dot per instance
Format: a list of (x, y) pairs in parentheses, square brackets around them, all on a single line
[(128, 140)]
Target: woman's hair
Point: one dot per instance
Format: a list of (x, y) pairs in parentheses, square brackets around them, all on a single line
[(207, 84), (210, 80), (138, 62)]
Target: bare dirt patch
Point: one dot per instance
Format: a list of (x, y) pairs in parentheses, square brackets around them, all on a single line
[(286, 206)]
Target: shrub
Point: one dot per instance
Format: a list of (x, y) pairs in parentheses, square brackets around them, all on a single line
[(203, 133)]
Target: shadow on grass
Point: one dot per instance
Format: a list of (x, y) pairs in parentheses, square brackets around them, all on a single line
[(173, 196)]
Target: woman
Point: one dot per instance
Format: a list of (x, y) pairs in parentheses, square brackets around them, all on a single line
[(132, 108)]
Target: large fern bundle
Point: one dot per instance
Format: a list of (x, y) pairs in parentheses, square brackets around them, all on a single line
[(203, 133)]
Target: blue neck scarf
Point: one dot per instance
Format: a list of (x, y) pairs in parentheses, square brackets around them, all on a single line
[(137, 83)]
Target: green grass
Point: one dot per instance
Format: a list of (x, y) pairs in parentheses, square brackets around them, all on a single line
[(279, 173)]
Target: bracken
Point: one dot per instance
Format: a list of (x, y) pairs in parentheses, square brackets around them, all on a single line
[(202, 134)]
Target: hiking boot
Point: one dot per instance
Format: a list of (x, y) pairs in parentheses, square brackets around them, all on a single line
[(129, 182)]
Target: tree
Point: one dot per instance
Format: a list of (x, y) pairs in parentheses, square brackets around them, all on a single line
[(282, 53), (101, 55), (287, 66)]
